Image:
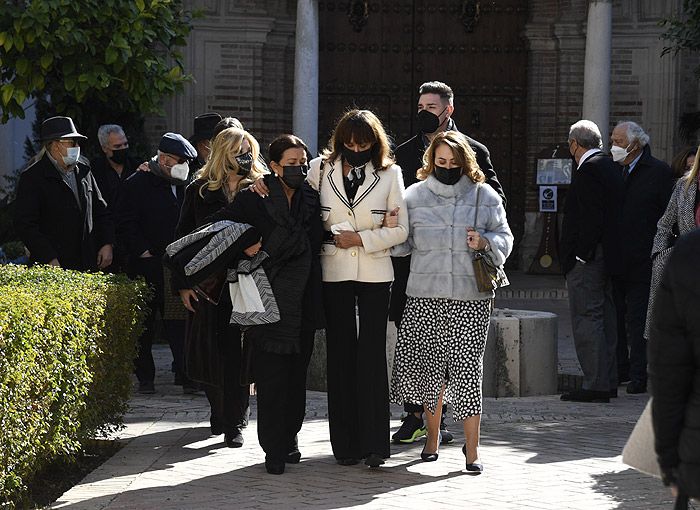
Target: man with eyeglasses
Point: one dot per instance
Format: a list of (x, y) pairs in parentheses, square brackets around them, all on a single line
[(147, 211), (60, 214)]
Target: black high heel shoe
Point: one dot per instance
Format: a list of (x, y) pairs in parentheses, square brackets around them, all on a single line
[(475, 468), (430, 457)]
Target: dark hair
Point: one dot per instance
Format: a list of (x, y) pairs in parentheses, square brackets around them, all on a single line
[(437, 87), (281, 144), (678, 163), (225, 123), (360, 126)]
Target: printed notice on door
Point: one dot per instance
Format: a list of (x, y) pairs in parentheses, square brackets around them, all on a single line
[(554, 171)]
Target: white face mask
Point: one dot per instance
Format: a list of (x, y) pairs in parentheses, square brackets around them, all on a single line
[(180, 171), (618, 153), (72, 157)]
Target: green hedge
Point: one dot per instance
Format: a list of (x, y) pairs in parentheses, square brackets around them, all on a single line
[(67, 343)]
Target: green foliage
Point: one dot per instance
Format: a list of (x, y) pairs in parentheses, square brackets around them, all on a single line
[(118, 52), (67, 343), (683, 32)]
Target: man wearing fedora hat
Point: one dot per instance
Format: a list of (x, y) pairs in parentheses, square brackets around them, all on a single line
[(147, 212), (60, 214), (201, 139)]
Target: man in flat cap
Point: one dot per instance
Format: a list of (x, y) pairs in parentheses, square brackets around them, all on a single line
[(147, 210), (60, 215), (201, 139)]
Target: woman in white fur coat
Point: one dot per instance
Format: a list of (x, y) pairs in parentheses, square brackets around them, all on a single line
[(441, 340)]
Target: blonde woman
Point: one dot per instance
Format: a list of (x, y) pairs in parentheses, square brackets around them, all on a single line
[(682, 215), (441, 339), (213, 350)]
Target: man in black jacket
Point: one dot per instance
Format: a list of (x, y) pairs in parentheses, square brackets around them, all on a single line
[(435, 108), (674, 368), (60, 215), (204, 126), (111, 171), (648, 187), (148, 209), (589, 250)]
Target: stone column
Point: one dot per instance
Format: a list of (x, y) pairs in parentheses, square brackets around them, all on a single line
[(596, 76), (305, 111)]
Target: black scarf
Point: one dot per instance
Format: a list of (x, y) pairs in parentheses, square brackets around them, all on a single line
[(353, 181)]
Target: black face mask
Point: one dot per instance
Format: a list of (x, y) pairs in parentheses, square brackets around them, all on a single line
[(294, 175), (119, 155), (357, 158), (448, 176), (245, 163), (427, 122)]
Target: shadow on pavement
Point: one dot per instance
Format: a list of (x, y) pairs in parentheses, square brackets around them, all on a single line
[(316, 482), (629, 488)]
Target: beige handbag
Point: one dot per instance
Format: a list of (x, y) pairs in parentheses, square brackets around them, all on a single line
[(639, 452)]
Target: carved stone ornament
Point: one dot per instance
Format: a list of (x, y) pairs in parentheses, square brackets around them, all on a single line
[(470, 14), (358, 12)]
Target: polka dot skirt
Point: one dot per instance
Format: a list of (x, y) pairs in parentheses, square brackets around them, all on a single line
[(441, 342)]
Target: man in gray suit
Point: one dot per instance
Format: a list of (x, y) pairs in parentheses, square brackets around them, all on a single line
[(590, 257)]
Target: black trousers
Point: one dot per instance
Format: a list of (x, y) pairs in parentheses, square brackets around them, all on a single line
[(636, 301), (622, 350), (151, 269), (280, 380), (229, 400), (358, 390)]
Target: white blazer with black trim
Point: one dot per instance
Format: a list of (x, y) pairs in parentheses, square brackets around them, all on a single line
[(380, 192)]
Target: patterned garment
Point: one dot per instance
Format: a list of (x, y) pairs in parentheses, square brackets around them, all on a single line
[(441, 341)]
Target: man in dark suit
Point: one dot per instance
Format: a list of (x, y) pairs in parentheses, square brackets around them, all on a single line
[(148, 209), (648, 187), (204, 126), (60, 215), (589, 251), (111, 171), (435, 108)]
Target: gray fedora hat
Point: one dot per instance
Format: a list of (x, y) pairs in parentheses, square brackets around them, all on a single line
[(59, 127)]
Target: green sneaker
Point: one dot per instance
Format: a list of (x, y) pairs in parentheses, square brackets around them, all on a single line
[(411, 429)]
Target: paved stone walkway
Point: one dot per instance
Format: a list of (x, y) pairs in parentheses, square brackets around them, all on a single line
[(538, 452)]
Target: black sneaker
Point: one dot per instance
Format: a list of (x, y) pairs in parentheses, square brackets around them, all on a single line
[(445, 435), (411, 429)]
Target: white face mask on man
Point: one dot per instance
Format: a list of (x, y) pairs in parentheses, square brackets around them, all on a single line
[(619, 153), (180, 171), (73, 153)]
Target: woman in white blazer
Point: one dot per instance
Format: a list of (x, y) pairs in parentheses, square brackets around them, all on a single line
[(358, 184)]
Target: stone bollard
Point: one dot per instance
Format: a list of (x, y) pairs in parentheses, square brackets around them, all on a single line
[(520, 357), (521, 354)]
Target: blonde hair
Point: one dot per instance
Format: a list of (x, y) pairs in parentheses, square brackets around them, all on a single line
[(360, 126), (222, 160), (462, 152), (692, 176)]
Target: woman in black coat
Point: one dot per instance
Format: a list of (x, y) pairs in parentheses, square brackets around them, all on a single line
[(289, 222), (213, 345), (674, 368)]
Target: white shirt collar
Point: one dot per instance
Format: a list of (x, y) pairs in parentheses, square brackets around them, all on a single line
[(586, 155)]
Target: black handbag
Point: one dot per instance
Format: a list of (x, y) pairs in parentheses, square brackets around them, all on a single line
[(489, 277)]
